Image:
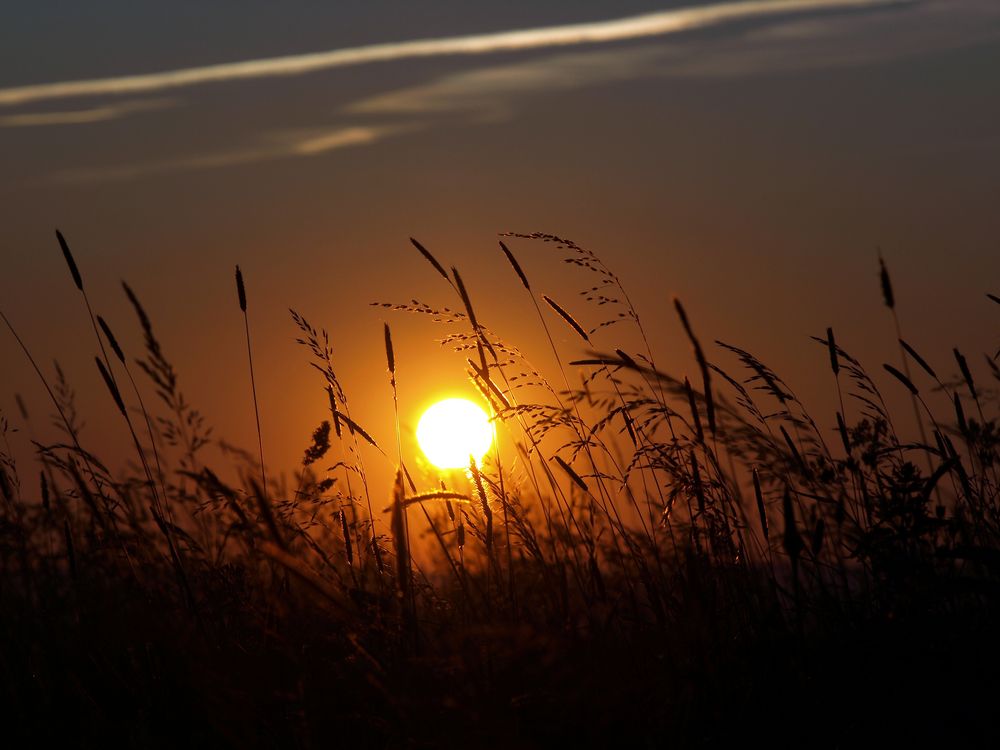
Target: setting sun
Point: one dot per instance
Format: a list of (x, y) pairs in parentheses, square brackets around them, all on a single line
[(451, 431), (500, 374)]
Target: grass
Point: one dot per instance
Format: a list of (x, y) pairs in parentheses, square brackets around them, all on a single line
[(642, 560)]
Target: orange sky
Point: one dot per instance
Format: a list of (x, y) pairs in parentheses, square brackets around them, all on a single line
[(751, 167)]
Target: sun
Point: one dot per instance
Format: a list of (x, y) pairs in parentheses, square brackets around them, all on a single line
[(451, 431)]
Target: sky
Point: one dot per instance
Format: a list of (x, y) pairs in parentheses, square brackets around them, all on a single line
[(751, 158)]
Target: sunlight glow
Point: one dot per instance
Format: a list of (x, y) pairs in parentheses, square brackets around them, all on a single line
[(451, 431)]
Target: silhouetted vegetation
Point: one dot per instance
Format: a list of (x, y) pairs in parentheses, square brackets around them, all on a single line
[(649, 559)]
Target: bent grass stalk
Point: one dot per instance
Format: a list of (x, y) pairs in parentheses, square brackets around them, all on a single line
[(242, 298)]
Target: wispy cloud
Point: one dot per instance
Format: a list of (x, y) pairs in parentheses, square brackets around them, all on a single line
[(83, 116), (498, 92), (342, 138), (491, 93), (785, 45), (800, 45), (633, 27), (275, 146)]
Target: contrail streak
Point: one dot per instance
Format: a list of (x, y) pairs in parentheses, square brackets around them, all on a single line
[(634, 27)]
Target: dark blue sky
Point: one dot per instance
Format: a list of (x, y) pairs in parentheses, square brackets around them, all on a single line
[(45, 40)]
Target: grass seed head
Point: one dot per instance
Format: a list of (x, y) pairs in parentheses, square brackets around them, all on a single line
[(74, 271), (241, 291)]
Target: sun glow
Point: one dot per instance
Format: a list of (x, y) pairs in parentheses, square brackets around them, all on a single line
[(451, 431)]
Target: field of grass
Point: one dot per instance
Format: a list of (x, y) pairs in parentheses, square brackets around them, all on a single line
[(648, 561)]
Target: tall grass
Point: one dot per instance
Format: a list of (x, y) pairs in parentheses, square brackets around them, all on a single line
[(652, 558)]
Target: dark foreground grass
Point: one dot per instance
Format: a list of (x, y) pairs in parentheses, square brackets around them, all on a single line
[(649, 560)]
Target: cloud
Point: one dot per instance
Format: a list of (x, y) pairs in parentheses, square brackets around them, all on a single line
[(782, 46), (801, 45), (494, 93), (633, 27), (84, 116), (276, 146), (320, 144), (491, 94)]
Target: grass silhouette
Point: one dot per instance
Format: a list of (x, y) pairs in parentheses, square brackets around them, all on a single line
[(652, 561)]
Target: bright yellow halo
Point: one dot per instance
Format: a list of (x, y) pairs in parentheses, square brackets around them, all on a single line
[(452, 430)]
